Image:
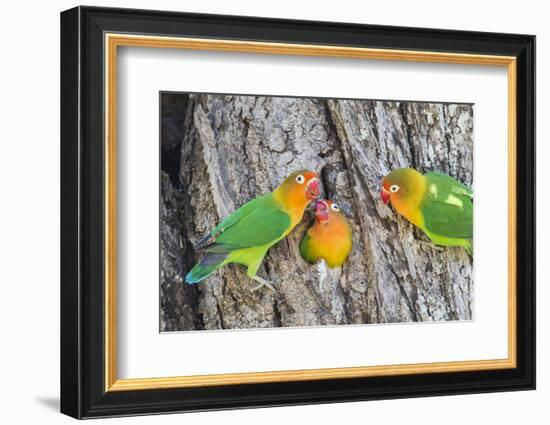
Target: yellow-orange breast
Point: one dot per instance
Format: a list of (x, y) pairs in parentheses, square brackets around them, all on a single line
[(411, 211), (331, 241)]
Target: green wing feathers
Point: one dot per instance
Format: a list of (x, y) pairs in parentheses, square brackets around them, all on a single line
[(255, 229), (305, 249), (230, 220), (448, 207), (452, 185), (240, 213), (259, 222)]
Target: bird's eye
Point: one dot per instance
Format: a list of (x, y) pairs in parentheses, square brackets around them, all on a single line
[(300, 179), (335, 207), (394, 188)]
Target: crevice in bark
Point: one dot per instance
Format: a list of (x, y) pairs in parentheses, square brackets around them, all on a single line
[(407, 129)]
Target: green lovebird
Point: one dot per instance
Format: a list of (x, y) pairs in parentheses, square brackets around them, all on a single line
[(246, 235), (439, 205)]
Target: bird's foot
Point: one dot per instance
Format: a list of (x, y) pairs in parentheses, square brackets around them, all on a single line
[(263, 282), (430, 245)]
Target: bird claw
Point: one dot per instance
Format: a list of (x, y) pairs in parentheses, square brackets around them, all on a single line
[(430, 245), (263, 282)]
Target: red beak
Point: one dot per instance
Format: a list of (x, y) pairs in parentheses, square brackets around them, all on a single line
[(385, 195), (321, 211), (313, 190)]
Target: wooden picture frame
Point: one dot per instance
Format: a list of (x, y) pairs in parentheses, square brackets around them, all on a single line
[(90, 38)]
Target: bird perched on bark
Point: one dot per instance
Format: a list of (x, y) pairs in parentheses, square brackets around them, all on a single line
[(330, 237), (246, 235), (438, 204)]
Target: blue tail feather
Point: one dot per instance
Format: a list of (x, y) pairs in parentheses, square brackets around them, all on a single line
[(207, 265)]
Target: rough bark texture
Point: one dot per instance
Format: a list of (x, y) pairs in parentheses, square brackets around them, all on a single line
[(234, 148)]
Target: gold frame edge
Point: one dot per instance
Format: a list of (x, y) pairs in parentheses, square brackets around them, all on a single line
[(113, 41)]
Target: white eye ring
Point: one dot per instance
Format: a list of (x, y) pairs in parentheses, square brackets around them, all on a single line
[(394, 188), (335, 207), (300, 179)]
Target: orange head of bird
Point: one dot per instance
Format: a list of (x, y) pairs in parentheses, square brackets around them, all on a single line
[(324, 209), (399, 184), (301, 187)]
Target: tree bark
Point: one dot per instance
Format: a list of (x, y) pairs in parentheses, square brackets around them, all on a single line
[(235, 148)]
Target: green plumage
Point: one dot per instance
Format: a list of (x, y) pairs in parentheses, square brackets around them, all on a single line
[(243, 237), (447, 211), (447, 207), (256, 223)]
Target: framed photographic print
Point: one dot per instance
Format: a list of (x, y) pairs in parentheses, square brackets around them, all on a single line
[(261, 212)]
